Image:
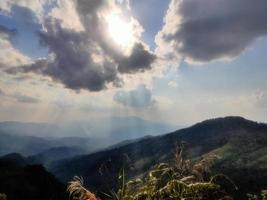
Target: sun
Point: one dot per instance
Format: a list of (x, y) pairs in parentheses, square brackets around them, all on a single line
[(120, 31)]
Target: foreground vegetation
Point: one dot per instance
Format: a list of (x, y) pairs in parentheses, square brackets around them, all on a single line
[(239, 144), (180, 179)]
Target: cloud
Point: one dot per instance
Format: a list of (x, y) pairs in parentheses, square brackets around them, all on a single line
[(34, 5), (24, 16), (10, 56), (25, 99), (26, 26), (260, 98), (140, 97), (207, 30), (81, 52), (139, 60), (73, 64), (172, 84), (19, 97), (66, 13), (9, 33)]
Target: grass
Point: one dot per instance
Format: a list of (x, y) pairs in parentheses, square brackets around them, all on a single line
[(181, 179), (3, 196)]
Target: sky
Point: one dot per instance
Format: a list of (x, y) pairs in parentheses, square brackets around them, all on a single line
[(171, 61)]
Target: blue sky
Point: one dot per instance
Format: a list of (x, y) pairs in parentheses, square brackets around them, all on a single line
[(173, 61), (26, 38), (151, 18)]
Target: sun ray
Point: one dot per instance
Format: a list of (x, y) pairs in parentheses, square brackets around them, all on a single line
[(120, 31)]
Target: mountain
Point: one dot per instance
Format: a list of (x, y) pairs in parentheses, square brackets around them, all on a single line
[(34, 138), (29, 129), (19, 181), (26, 145), (30, 145), (241, 144), (118, 129), (54, 154), (13, 160), (115, 128)]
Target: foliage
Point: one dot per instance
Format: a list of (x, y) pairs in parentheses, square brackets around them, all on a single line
[(263, 196), (180, 180), (3, 196), (78, 192), (241, 144)]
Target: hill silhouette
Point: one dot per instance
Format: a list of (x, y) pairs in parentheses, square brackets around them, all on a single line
[(19, 181)]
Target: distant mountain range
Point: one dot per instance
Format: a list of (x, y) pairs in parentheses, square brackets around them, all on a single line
[(115, 128), (29, 145), (241, 144), (34, 138), (55, 154)]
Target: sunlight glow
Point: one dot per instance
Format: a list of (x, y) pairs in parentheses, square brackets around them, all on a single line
[(120, 31)]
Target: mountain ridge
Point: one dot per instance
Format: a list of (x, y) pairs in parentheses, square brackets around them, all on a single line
[(33, 138), (209, 136)]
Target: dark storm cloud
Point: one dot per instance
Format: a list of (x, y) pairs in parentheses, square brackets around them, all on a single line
[(139, 60), (217, 29), (141, 97), (38, 67), (85, 7), (72, 64), (73, 52)]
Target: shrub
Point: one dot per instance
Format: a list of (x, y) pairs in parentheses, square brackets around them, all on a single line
[(3, 196), (181, 180), (78, 192)]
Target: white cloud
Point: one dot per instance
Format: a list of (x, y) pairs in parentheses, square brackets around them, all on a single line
[(67, 15), (173, 84), (10, 56), (36, 6), (141, 97), (83, 55)]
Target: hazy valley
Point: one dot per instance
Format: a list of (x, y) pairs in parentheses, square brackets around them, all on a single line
[(240, 145)]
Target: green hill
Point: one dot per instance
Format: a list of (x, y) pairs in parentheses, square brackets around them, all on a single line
[(240, 143)]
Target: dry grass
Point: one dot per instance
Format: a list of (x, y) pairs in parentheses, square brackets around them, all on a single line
[(185, 179), (78, 192), (3, 196)]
